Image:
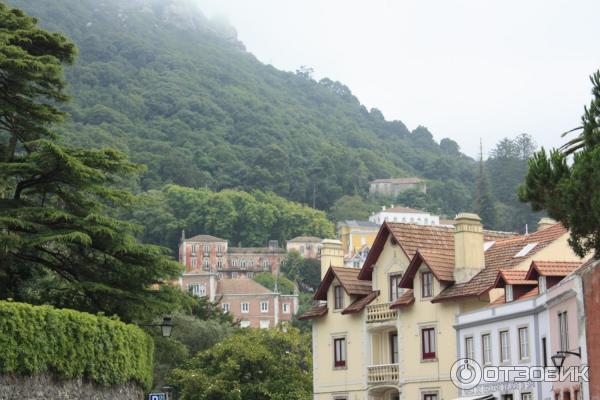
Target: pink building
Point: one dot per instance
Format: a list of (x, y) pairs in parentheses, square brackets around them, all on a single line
[(224, 274), (253, 305), (566, 316)]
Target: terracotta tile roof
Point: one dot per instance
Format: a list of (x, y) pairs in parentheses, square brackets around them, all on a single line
[(434, 242), (317, 311), (361, 303), (348, 277), (205, 238), (312, 239), (240, 286), (551, 268), (501, 255), (512, 277), (405, 299)]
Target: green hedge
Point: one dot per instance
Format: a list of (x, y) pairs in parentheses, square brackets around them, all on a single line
[(72, 344)]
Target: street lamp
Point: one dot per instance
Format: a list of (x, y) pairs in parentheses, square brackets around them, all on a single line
[(166, 326), (559, 358)]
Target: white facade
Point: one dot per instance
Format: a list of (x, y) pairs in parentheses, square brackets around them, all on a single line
[(512, 319), (404, 215)]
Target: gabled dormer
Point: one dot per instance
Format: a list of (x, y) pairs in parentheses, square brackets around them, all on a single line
[(549, 273), (515, 285)]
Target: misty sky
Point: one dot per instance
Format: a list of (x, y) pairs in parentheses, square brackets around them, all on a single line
[(463, 68)]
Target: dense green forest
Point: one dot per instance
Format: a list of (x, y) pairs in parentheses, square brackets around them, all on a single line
[(180, 93)]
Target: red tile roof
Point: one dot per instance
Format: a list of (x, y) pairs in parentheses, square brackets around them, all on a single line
[(512, 277), (205, 238), (240, 286), (405, 299), (551, 268), (501, 255), (348, 278), (434, 242), (317, 311), (361, 303)]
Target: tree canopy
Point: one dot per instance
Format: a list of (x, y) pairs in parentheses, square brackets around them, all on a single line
[(60, 241), (568, 190), (262, 364)]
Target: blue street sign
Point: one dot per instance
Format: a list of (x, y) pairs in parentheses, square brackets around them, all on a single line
[(157, 396)]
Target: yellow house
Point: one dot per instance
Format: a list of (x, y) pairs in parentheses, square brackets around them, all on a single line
[(354, 235), (386, 332)]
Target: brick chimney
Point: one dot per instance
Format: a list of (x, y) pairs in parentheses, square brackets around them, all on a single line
[(468, 247), (332, 255), (545, 223)]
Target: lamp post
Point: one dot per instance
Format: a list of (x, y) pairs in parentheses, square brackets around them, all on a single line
[(166, 326), (559, 358)]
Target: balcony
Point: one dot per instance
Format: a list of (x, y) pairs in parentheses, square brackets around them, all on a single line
[(382, 374), (380, 313)]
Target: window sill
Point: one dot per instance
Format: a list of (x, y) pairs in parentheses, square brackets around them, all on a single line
[(429, 360), (340, 368)]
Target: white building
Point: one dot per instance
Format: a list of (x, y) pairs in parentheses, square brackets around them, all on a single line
[(515, 331), (404, 215)]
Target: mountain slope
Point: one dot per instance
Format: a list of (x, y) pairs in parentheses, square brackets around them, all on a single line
[(179, 93)]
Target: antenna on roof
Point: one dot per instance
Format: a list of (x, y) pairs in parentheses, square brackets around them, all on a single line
[(526, 229)]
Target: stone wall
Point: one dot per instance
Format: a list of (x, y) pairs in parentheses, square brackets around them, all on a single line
[(43, 387)]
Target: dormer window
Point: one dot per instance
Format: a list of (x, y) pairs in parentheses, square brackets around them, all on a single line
[(394, 286), (426, 284), (508, 292), (542, 284), (338, 294)]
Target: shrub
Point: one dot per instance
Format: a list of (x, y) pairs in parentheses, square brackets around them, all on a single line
[(72, 344)]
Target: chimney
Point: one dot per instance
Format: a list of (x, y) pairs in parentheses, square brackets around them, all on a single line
[(468, 247), (545, 223), (331, 255)]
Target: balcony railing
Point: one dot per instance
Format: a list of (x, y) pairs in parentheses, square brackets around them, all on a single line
[(379, 374), (380, 313)]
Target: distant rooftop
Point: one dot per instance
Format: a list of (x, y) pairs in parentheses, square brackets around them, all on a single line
[(312, 239), (205, 238), (355, 223), (240, 286), (254, 250), (398, 181), (404, 210)]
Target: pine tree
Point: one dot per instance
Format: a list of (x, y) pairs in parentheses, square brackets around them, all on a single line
[(485, 205), (570, 191), (60, 242)]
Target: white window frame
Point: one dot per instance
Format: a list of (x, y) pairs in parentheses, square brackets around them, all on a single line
[(264, 306), (286, 308), (504, 342), (264, 324), (225, 307), (524, 349), (509, 293), (245, 307), (244, 324), (486, 350), (470, 347), (343, 351), (197, 289)]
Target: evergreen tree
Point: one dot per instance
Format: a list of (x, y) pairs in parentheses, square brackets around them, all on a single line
[(570, 191), (485, 205), (59, 240)]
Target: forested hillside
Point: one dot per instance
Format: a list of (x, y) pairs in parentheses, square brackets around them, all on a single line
[(180, 94)]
